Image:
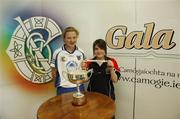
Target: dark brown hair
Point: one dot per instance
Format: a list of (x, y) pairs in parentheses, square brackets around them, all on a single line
[(101, 44)]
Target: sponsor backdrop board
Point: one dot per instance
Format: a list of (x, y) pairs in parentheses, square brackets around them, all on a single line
[(143, 35)]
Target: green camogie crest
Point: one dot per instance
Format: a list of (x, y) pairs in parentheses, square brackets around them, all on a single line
[(30, 51)]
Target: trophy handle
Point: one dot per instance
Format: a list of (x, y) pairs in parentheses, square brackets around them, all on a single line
[(64, 75), (91, 72)]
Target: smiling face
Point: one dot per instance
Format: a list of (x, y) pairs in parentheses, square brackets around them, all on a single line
[(99, 49), (99, 53), (70, 39)]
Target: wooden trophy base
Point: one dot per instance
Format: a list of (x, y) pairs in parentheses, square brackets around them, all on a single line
[(79, 101)]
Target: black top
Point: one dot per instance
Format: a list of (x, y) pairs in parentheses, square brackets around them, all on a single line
[(100, 80)]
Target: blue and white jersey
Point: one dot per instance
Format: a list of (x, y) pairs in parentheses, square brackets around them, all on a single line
[(64, 62)]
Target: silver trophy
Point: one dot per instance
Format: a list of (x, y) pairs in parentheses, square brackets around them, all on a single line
[(78, 77)]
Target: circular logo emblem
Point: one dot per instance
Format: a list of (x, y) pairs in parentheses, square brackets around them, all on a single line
[(71, 66), (29, 48)]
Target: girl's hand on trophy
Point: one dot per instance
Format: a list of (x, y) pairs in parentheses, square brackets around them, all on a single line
[(84, 65)]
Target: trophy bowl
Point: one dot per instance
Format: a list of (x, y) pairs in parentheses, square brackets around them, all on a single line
[(78, 77)]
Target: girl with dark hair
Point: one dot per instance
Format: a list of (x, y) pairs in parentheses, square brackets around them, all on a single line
[(105, 70)]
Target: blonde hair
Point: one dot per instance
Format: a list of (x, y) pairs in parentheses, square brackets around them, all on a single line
[(70, 29)]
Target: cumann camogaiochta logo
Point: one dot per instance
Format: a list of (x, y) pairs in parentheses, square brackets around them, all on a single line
[(30, 51)]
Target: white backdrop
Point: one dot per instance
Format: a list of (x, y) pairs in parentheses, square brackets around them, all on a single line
[(93, 18)]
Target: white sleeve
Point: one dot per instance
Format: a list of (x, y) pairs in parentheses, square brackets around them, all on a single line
[(54, 58)]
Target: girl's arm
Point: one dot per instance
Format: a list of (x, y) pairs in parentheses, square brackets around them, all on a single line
[(114, 70)]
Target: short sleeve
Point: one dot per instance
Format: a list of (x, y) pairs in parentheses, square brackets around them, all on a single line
[(54, 59), (116, 67)]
